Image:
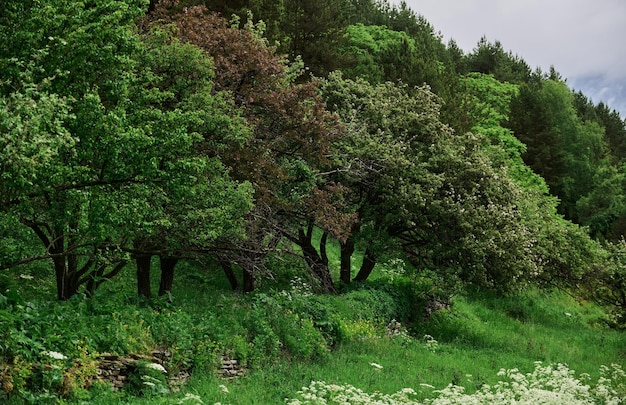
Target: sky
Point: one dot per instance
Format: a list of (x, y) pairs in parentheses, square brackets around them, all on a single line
[(585, 40)]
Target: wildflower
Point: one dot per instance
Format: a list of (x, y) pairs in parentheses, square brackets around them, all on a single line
[(26, 276), (156, 366), (190, 397), (55, 355), (224, 389), (375, 365)]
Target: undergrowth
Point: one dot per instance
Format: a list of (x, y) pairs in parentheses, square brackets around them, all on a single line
[(384, 336)]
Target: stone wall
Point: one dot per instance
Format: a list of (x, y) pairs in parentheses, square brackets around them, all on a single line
[(115, 370)]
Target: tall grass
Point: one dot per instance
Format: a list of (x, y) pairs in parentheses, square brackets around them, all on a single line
[(372, 336)]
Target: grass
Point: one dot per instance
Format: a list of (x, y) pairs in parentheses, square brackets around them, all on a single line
[(474, 338), (469, 353)]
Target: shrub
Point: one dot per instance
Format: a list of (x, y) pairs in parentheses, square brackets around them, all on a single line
[(275, 324), (147, 379)]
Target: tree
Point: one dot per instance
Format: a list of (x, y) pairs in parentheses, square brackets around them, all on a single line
[(563, 150), (291, 135), (381, 54), (487, 103), (419, 188), (61, 58), (491, 58), (562, 253), (603, 208), (211, 206), (133, 153)]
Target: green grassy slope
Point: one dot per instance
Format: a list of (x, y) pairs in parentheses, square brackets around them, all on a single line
[(290, 337)]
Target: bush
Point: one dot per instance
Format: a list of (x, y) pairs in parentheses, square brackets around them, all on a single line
[(275, 323), (147, 379), (382, 301)]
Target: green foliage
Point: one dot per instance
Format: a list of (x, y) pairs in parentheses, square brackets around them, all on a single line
[(148, 380), (565, 151), (33, 136), (115, 133), (491, 58), (488, 106), (292, 337), (145, 129), (609, 284), (277, 322), (381, 301), (602, 209), (379, 52), (443, 201)]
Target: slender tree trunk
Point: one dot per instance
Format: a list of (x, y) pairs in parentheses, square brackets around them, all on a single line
[(314, 260), (66, 277), (65, 266), (60, 271), (347, 250), (167, 274), (323, 253), (249, 280), (152, 5), (143, 275), (72, 276), (369, 261), (230, 274), (91, 283)]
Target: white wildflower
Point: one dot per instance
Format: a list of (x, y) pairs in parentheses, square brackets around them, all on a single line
[(223, 388), (190, 397), (375, 365), (26, 276), (156, 366), (55, 355)]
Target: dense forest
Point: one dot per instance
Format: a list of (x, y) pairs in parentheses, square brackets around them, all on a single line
[(230, 134)]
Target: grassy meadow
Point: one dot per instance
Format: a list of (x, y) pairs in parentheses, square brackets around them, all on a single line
[(379, 336)]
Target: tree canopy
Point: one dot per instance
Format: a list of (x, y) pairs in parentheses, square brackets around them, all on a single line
[(238, 130)]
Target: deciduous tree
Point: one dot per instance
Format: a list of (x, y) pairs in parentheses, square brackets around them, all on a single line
[(133, 135)]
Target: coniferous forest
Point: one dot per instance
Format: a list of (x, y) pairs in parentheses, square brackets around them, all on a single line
[(280, 183)]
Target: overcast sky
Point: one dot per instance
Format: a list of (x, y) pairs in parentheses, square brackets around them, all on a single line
[(585, 40)]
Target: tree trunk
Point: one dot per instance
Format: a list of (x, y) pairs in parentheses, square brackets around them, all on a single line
[(91, 282), (347, 249), (230, 274), (369, 261), (143, 275), (167, 274), (60, 272), (314, 260), (323, 253), (73, 276), (65, 268), (248, 280)]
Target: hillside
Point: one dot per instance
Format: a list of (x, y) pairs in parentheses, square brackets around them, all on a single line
[(312, 183)]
